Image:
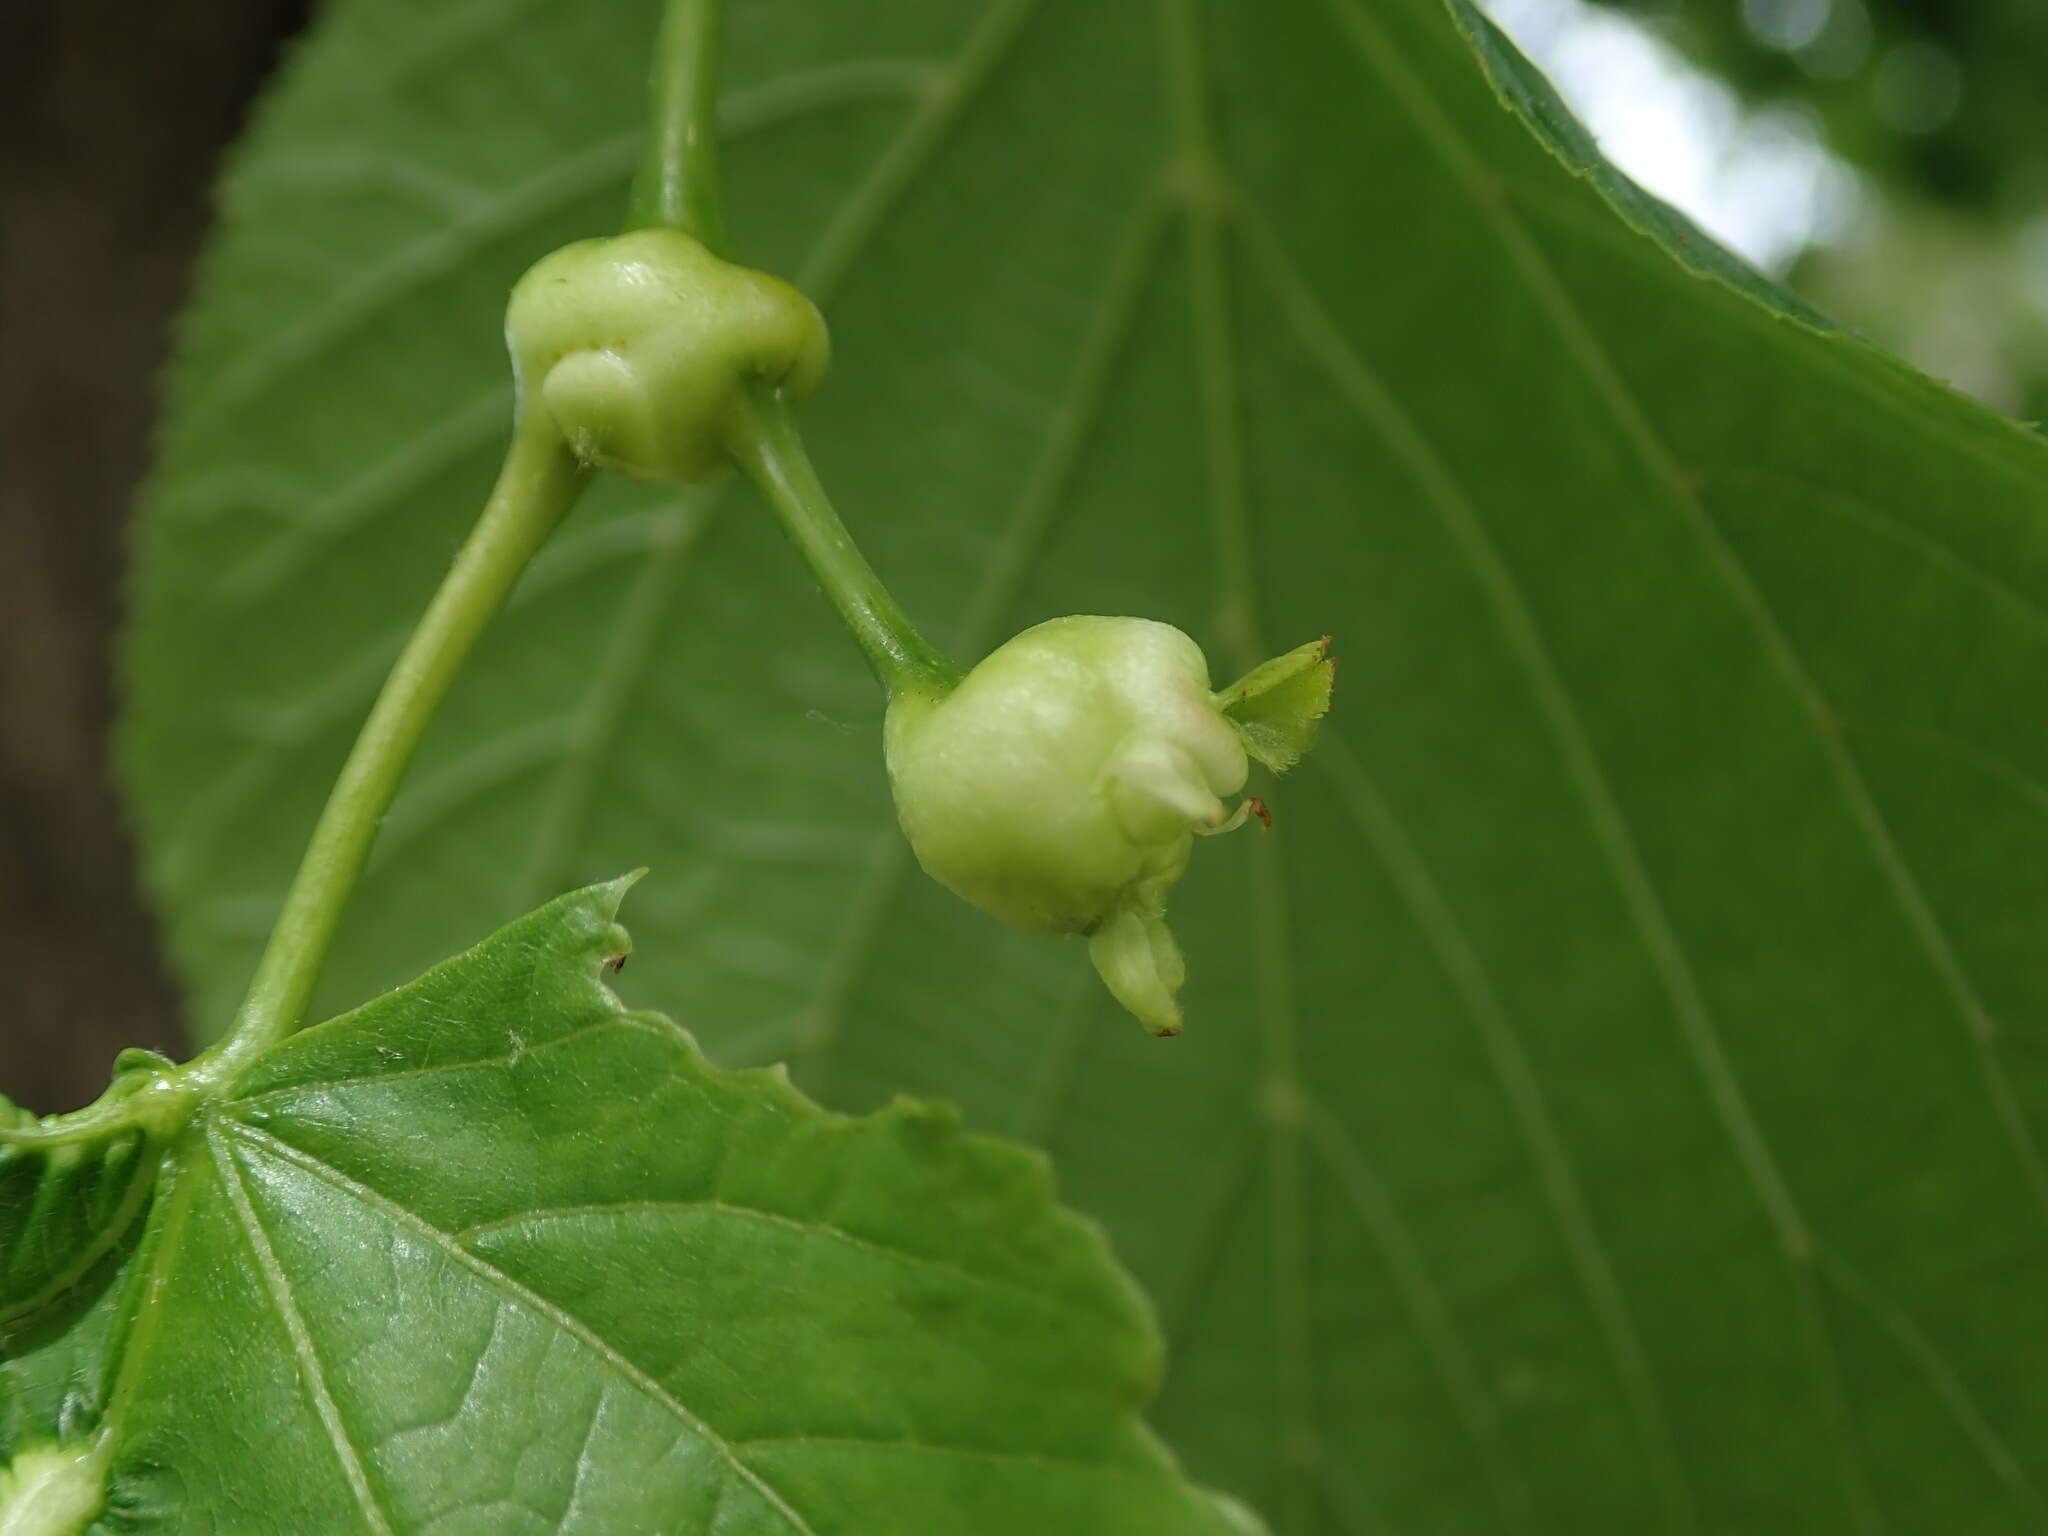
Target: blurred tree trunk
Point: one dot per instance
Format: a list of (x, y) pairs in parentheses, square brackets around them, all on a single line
[(113, 117)]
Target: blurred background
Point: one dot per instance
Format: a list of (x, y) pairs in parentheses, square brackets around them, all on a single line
[(1884, 157), (113, 118)]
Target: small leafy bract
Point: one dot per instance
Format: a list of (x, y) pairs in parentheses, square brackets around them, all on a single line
[(1277, 706)]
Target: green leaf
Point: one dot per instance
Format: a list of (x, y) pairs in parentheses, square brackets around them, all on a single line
[(493, 1254), (62, 1209), (66, 1204), (1611, 1096)]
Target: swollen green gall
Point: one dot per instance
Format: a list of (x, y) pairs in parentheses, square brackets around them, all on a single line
[(637, 345), (1060, 785)]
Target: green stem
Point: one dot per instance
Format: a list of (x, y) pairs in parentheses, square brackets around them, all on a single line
[(536, 487), (677, 184), (678, 187), (764, 441)]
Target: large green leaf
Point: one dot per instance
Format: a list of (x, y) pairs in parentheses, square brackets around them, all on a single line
[(493, 1255), (1611, 1094)]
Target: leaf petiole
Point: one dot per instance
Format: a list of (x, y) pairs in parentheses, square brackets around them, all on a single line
[(535, 488), (676, 186), (764, 441)]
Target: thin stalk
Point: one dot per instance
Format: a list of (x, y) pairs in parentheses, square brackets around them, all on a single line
[(678, 187), (764, 441), (677, 184), (535, 488)]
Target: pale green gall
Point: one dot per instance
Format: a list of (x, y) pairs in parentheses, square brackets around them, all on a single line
[(636, 346), (1060, 785)]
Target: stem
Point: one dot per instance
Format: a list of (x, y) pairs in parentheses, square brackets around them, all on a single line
[(677, 184), (764, 442), (535, 488)]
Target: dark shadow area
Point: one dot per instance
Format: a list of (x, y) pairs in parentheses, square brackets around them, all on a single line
[(113, 118)]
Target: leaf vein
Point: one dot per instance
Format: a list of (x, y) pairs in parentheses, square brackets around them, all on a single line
[(809, 1228), (520, 1296), (1183, 54), (1202, 1259), (2029, 785), (158, 1253), (1893, 385), (1534, 1119), (1361, 391), (1851, 506), (1526, 259), (625, 1021), (1514, 613), (1428, 1307), (934, 1448), (311, 1371), (1945, 1380)]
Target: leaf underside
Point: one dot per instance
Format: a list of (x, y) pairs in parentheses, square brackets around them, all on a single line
[(494, 1255), (1612, 1096)]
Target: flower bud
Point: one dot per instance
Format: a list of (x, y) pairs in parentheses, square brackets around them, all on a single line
[(1061, 784), (635, 347)]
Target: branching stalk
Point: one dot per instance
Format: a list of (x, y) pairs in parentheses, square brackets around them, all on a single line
[(678, 187)]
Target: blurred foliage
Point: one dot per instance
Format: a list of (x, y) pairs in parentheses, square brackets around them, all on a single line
[(1964, 302), (1940, 99), (1939, 103)]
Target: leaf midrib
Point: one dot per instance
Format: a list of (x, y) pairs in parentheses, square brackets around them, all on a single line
[(223, 1131), (608, 1354), (807, 1227), (312, 1370)]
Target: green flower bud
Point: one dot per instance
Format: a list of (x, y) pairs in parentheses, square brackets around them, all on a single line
[(1060, 785), (636, 345)]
